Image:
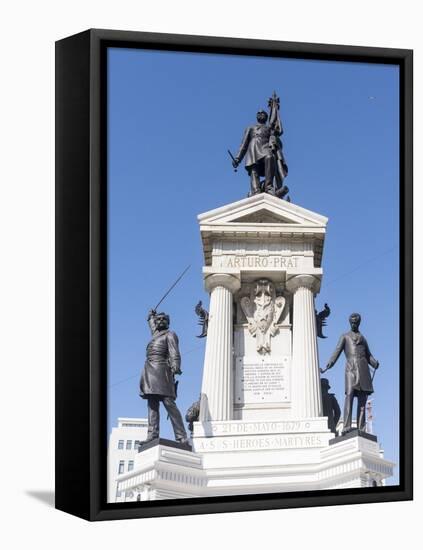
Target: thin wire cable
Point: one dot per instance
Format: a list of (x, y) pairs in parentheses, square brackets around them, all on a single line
[(359, 266)]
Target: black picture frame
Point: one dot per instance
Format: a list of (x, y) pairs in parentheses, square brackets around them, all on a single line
[(81, 273)]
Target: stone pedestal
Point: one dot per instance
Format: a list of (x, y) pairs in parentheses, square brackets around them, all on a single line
[(275, 463), (163, 471)]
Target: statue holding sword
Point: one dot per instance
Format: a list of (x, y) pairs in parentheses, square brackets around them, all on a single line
[(358, 380), (157, 384)]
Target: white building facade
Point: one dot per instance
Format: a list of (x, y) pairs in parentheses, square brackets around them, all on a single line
[(123, 446)]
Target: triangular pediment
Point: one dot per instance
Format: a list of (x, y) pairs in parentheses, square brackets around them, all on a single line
[(262, 216), (262, 209)]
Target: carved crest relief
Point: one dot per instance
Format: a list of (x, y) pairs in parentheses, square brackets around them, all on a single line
[(263, 310)]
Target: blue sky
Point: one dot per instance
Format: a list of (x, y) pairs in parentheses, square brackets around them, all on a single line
[(172, 117)]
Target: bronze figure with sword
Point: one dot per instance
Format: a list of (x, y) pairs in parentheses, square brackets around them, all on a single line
[(163, 362)]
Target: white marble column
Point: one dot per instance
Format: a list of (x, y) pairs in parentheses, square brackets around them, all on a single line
[(217, 386), (305, 376)]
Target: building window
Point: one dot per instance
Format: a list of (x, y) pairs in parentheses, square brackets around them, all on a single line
[(130, 465), (121, 467), (120, 444), (129, 445), (137, 443)]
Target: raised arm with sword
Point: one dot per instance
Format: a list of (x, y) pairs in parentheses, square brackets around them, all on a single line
[(163, 362)]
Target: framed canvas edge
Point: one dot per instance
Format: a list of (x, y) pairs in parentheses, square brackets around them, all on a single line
[(72, 257), (99, 41)]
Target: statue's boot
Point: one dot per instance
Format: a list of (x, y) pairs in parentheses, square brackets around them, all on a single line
[(268, 188), (255, 184)]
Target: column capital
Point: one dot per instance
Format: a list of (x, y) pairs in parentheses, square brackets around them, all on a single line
[(306, 281), (230, 281)]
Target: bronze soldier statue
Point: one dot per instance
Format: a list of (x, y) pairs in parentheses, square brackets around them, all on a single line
[(157, 383), (358, 381), (262, 150), (330, 405)]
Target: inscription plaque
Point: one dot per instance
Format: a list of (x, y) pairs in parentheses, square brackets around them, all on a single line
[(260, 427), (299, 441), (249, 262), (262, 380)]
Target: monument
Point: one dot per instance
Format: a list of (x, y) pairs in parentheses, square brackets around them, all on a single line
[(259, 426)]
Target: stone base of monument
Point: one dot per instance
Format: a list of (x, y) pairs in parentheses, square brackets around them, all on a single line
[(239, 457), (163, 471)]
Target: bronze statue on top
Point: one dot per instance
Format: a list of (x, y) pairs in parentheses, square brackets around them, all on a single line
[(358, 380), (262, 148)]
